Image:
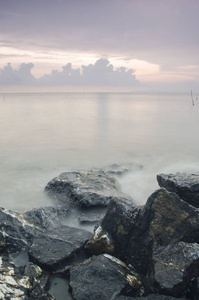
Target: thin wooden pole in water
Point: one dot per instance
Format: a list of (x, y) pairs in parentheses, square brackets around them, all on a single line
[(192, 97)]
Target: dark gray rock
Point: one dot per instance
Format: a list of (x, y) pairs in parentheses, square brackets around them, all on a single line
[(102, 277), (84, 189), (185, 185), (51, 249), (175, 266), (64, 271), (15, 230), (27, 283), (42, 233), (131, 233), (159, 240), (48, 217), (124, 233), (173, 219), (41, 237)]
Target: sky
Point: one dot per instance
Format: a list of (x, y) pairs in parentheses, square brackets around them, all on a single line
[(119, 45)]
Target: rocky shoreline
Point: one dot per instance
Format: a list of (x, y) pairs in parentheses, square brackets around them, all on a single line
[(135, 252)]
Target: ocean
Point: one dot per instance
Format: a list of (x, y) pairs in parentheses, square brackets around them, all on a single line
[(43, 135)]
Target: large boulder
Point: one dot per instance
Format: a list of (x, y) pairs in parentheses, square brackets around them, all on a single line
[(136, 234), (123, 232), (15, 230), (185, 185), (175, 267), (172, 219), (42, 233), (84, 189), (53, 248), (103, 277)]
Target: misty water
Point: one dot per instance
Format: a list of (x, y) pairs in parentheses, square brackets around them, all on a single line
[(42, 135)]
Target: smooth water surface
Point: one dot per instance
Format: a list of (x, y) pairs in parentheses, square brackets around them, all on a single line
[(42, 135)]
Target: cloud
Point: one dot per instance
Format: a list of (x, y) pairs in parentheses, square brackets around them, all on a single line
[(102, 73), (160, 32), (20, 76), (68, 76)]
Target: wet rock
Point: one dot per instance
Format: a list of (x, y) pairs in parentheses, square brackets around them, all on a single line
[(51, 249), (20, 283), (42, 234), (15, 230), (41, 237), (185, 185), (131, 233), (84, 189), (79, 257), (103, 277), (18, 229), (159, 241), (124, 232), (172, 219), (48, 217), (121, 169), (175, 266)]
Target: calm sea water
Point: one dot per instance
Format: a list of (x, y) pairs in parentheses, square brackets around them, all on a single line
[(42, 135)]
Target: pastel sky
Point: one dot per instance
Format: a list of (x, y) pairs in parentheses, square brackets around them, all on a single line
[(145, 45)]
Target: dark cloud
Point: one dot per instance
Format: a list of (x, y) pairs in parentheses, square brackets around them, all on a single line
[(101, 73)]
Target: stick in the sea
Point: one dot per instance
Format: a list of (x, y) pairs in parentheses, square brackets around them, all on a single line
[(192, 97)]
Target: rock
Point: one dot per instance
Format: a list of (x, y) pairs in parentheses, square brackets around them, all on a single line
[(185, 185), (15, 230), (131, 233), (102, 277), (173, 219), (22, 283), (79, 257), (41, 237), (84, 189), (18, 229), (51, 249), (121, 169), (48, 217), (124, 233), (175, 266), (42, 234), (159, 241)]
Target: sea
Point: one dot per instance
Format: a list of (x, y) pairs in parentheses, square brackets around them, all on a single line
[(45, 134)]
